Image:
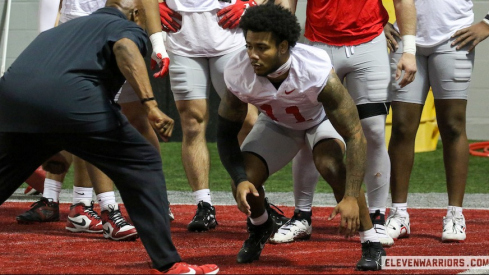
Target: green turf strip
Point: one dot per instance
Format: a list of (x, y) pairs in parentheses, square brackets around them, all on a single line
[(428, 173)]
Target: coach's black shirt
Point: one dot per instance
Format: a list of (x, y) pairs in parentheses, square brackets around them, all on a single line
[(65, 79)]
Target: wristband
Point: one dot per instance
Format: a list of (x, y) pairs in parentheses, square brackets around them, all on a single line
[(158, 44), (486, 19), (409, 44), (144, 100)]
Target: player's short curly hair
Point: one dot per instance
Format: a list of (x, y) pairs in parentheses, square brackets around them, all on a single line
[(272, 18)]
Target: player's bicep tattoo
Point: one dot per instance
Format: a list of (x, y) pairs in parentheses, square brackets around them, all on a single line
[(339, 107)]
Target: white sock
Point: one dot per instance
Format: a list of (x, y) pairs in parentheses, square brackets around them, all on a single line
[(202, 195), (372, 210), (82, 193), (260, 220), (456, 209), (106, 198), (378, 171), (52, 188), (401, 207), (305, 177), (369, 235)]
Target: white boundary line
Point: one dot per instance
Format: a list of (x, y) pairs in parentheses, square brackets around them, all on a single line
[(415, 200)]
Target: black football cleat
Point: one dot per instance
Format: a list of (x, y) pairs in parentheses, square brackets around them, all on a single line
[(204, 219), (276, 214), (259, 235), (371, 256), (44, 210)]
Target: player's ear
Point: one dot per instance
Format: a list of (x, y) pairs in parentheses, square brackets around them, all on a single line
[(283, 47)]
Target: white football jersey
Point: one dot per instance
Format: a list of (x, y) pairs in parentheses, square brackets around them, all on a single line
[(201, 35), (294, 104), (438, 20), (197, 5), (78, 8)]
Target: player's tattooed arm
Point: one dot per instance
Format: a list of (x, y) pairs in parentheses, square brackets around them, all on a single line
[(343, 114)]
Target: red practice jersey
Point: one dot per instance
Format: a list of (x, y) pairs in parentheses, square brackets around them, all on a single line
[(344, 22)]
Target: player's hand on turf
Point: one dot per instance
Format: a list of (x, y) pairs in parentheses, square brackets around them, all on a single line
[(407, 63), (169, 18), (475, 34), (231, 15), (242, 191), (162, 123), (350, 217), (56, 164), (391, 36), (159, 57)]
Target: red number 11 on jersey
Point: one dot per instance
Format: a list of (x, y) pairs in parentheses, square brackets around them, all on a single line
[(293, 110)]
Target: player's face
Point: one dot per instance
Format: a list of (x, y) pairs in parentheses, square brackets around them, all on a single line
[(263, 52)]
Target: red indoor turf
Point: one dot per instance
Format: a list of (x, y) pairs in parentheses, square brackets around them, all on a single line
[(49, 248)]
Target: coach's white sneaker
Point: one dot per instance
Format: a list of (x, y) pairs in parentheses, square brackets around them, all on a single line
[(299, 227), (397, 224), (453, 228), (378, 221)]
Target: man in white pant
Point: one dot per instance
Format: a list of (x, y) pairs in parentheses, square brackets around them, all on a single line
[(303, 105), (445, 64), (352, 34), (199, 48)]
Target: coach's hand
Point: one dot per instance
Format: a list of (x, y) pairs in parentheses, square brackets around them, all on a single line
[(56, 164), (242, 191), (162, 123), (350, 217)]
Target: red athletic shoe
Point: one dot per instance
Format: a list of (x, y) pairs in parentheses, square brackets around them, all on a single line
[(82, 218), (116, 227), (184, 268)]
